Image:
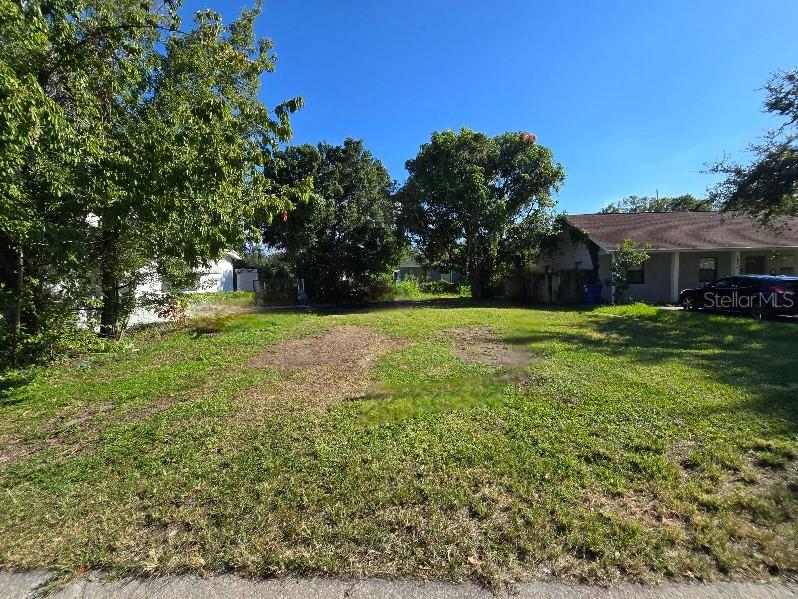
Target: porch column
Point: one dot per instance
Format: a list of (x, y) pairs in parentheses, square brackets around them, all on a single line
[(735, 263), (675, 277), (612, 287)]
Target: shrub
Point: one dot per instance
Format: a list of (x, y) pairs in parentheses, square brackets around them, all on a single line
[(440, 286), (274, 266), (408, 289), (209, 324), (379, 287), (60, 328)]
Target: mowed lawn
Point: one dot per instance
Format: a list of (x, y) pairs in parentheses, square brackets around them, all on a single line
[(443, 440)]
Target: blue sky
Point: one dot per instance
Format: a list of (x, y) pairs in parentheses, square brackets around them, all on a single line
[(631, 96)]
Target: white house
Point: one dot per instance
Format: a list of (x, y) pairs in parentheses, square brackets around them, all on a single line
[(218, 276)]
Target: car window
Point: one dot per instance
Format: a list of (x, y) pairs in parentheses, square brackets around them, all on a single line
[(722, 283)]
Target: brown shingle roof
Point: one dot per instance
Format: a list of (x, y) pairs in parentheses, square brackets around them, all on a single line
[(683, 230)]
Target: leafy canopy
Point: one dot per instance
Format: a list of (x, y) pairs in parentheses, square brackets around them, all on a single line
[(467, 193), (767, 188), (129, 145), (682, 203), (344, 239)]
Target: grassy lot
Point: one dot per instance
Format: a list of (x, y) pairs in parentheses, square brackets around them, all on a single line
[(441, 440)]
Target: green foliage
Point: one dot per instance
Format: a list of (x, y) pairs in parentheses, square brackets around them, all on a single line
[(343, 240), (413, 289), (440, 286), (627, 256), (56, 337), (767, 189), (256, 255), (409, 288), (130, 146), (221, 298), (469, 195), (682, 203), (274, 266)]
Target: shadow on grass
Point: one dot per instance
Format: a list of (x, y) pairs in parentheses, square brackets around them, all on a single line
[(443, 303), (10, 382), (761, 357)]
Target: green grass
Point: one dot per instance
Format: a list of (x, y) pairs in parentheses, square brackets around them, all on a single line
[(226, 298), (637, 444)]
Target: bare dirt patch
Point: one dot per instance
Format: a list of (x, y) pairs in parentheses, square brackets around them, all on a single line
[(319, 370), (479, 345), (13, 449), (344, 347)]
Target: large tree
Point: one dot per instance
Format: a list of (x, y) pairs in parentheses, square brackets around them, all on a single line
[(467, 193), (344, 240), (43, 231), (767, 188), (134, 145), (682, 203)]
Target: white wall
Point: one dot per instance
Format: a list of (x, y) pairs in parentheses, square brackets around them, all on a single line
[(217, 277), (245, 279), (151, 286), (688, 266)]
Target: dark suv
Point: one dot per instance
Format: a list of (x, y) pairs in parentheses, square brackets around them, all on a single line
[(762, 296)]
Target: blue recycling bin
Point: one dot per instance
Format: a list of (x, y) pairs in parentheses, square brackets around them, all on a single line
[(592, 293)]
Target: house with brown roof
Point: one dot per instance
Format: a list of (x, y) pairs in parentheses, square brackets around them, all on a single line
[(686, 249)]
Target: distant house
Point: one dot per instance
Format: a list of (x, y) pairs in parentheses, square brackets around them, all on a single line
[(687, 249), (219, 275), (410, 266)]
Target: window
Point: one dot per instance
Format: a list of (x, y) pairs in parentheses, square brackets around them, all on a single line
[(635, 277), (707, 270), (787, 265), (754, 265)]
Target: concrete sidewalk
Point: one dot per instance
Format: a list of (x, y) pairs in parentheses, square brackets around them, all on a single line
[(13, 585)]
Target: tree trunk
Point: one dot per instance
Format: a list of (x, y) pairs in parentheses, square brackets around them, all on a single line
[(109, 283), (109, 316), (18, 308), (473, 268), (477, 289)]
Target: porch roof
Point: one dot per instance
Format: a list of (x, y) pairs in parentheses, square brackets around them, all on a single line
[(684, 230)]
